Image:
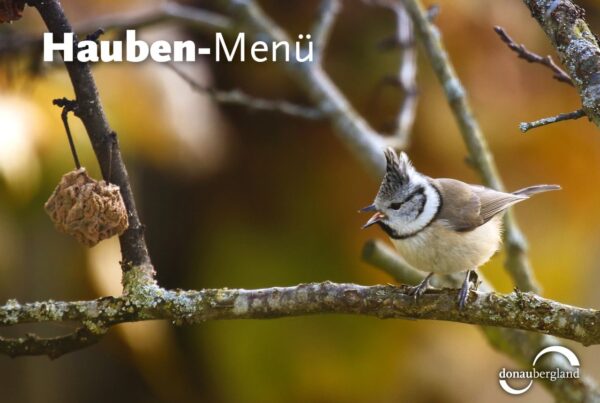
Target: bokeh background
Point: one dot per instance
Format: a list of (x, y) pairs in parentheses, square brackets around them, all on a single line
[(233, 198)]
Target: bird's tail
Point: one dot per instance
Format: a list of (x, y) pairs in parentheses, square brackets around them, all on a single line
[(531, 190)]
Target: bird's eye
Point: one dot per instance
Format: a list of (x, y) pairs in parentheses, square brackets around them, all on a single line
[(395, 206)]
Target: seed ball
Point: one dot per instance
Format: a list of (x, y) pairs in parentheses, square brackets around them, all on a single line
[(87, 209)]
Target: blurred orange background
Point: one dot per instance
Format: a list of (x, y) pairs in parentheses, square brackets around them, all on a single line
[(233, 198)]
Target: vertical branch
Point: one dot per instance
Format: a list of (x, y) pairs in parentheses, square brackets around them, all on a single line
[(68, 106), (517, 262), (321, 30), (90, 111), (407, 75)]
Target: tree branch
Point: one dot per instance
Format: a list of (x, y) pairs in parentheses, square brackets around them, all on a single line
[(525, 126), (165, 12), (168, 12), (525, 311), (406, 77), (564, 24), (237, 97), (385, 258), (53, 347), (321, 30), (90, 111), (531, 57), (407, 74)]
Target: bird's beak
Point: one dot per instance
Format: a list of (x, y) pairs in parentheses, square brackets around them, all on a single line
[(378, 216), (374, 220), (369, 209)]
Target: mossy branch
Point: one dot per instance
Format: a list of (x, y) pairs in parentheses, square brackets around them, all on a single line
[(518, 310)]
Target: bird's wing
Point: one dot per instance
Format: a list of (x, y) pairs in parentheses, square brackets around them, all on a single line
[(494, 202), (466, 207), (460, 204)]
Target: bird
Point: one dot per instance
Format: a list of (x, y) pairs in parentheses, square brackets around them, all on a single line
[(441, 225)]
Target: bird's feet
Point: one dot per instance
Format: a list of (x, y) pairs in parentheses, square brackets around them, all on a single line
[(420, 289), (470, 279)]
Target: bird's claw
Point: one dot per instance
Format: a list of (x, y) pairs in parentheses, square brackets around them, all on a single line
[(471, 282), (420, 289)]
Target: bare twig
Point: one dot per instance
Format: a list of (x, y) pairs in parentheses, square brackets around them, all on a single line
[(525, 54), (433, 11), (407, 74), (68, 106), (237, 97), (576, 45), (406, 78), (168, 12), (53, 347), (321, 30), (525, 126)]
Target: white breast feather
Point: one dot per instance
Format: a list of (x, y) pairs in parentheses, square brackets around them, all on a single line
[(439, 249)]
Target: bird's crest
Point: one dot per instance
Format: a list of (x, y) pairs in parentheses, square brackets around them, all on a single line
[(397, 173)]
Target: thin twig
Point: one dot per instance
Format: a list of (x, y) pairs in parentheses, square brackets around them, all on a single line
[(113, 144), (168, 12), (165, 12), (407, 74), (406, 78), (237, 97), (531, 57), (433, 11), (53, 347), (321, 30), (525, 126), (68, 106)]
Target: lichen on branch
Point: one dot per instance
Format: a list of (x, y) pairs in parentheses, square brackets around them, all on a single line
[(577, 46), (518, 310)]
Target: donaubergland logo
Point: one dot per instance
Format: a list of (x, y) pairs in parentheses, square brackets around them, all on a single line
[(551, 375)]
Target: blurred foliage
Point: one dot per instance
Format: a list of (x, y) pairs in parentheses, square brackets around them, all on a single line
[(238, 199)]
